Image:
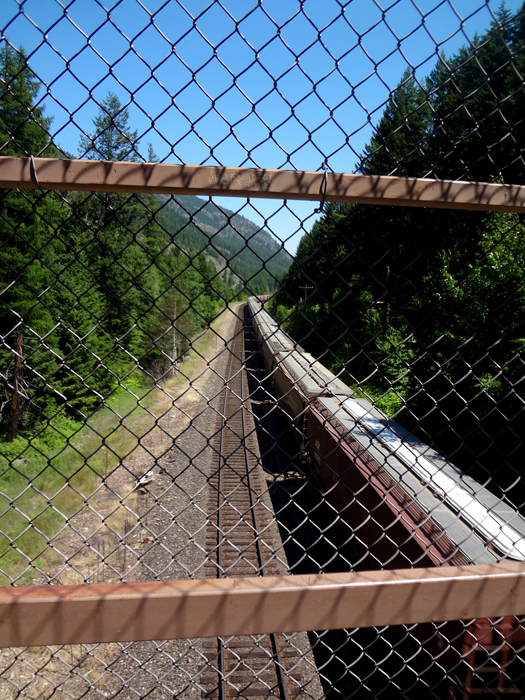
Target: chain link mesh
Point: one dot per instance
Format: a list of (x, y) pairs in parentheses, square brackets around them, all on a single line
[(354, 370)]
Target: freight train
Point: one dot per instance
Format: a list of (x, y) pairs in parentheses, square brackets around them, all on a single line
[(405, 503)]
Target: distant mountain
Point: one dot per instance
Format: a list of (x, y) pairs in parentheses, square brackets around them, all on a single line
[(246, 253)]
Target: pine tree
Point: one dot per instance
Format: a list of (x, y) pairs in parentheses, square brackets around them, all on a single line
[(123, 243), (28, 221), (478, 103), (23, 125), (112, 138), (398, 146), (423, 308)]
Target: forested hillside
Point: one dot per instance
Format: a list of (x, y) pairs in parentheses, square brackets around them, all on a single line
[(244, 253), (422, 310), (102, 290)]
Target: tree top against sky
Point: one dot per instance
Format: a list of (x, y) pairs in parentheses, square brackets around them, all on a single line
[(238, 83), (112, 138)]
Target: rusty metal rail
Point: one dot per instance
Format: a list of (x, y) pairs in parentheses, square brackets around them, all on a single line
[(101, 176), (106, 612)]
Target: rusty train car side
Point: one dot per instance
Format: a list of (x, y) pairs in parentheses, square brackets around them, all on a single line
[(407, 506)]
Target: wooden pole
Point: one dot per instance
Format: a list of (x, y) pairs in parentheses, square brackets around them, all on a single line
[(12, 432), (306, 287)]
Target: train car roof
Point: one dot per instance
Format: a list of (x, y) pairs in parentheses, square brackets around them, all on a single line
[(429, 479), (313, 379), (276, 339)]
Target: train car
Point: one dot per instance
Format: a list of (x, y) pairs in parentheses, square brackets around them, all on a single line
[(453, 519), (351, 439), (272, 339), (408, 506), (405, 503), (298, 376)]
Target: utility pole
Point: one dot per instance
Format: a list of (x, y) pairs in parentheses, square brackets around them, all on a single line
[(12, 432), (305, 287)]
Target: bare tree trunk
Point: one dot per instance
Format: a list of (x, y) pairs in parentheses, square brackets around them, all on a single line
[(12, 432), (174, 349)]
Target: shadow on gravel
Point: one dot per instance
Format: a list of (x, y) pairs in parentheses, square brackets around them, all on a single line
[(361, 663)]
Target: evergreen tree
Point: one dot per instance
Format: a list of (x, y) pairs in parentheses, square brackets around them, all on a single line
[(121, 231), (112, 138), (23, 124), (399, 144), (28, 222), (422, 308), (478, 102)]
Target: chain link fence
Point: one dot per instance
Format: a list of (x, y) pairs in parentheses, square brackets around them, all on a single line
[(214, 387)]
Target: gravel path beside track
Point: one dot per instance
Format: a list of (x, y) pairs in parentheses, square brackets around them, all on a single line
[(153, 533), (164, 532)]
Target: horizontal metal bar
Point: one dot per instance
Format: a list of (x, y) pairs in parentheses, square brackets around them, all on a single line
[(109, 612), (90, 175)]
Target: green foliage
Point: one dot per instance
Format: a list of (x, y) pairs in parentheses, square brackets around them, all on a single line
[(465, 120), (105, 303), (91, 280), (477, 105), (112, 139), (400, 142), (244, 254), (421, 310), (23, 126)]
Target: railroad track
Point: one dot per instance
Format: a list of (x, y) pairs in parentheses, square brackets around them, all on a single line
[(240, 543)]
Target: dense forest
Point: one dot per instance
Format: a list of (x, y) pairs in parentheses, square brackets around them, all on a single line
[(421, 310), (100, 289)]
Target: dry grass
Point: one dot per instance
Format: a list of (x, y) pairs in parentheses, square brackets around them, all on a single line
[(41, 490)]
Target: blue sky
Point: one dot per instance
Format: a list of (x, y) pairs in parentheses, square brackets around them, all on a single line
[(277, 83)]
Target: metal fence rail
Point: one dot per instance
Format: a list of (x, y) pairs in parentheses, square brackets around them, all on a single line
[(364, 477)]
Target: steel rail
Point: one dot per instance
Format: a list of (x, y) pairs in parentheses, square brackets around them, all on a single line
[(238, 354), (275, 646), (220, 535), (163, 178)]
